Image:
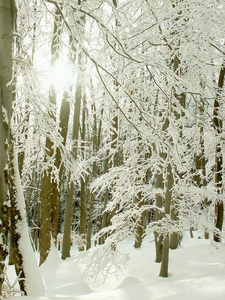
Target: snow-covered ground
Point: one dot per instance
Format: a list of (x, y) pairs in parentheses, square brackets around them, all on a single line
[(196, 272)]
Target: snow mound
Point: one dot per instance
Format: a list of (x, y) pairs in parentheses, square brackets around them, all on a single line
[(63, 278), (197, 272), (53, 258), (73, 289), (128, 281)]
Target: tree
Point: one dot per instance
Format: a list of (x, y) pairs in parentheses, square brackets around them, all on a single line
[(50, 202), (7, 20), (218, 124), (70, 190), (24, 259)]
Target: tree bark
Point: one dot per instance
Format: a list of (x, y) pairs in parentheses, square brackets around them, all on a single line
[(200, 164), (49, 204), (56, 186), (218, 124), (139, 230), (7, 20), (159, 184), (69, 201), (166, 238), (165, 257)]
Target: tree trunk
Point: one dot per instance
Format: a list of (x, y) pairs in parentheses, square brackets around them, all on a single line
[(94, 175), (67, 223), (139, 230), (200, 164), (89, 227), (159, 184), (84, 193), (104, 217), (45, 231), (158, 216), (56, 186), (83, 212), (7, 19), (218, 124), (69, 201), (24, 258), (50, 202), (166, 238), (181, 100), (165, 257)]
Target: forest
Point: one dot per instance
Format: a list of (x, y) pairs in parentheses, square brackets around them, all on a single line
[(111, 128)]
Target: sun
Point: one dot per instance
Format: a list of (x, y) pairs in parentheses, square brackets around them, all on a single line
[(60, 76)]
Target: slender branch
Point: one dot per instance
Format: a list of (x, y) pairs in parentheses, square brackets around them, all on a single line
[(118, 106)]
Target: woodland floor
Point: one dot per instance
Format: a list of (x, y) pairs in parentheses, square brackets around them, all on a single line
[(196, 272)]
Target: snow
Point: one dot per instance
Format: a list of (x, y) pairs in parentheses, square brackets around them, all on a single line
[(196, 271)]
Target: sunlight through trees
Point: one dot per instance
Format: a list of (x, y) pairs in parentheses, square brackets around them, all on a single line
[(112, 118)]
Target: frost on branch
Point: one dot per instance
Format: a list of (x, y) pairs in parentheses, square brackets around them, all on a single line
[(79, 240), (106, 262), (5, 115), (10, 289)]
